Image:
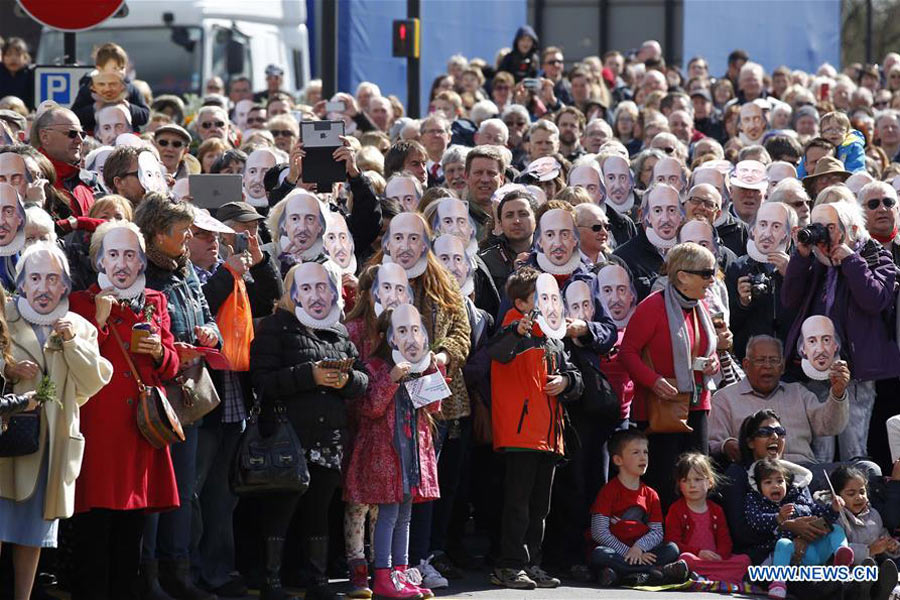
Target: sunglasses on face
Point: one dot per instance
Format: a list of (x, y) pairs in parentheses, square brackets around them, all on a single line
[(704, 273), (668, 150), (710, 204), (211, 124), (555, 61), (256, 120), (71, 133), (767, 431), (596, 227), (874, 203), (281, 133), (167, 143)]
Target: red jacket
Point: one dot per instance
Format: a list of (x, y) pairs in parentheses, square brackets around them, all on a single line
[(649, 328), (523, 416), (69, 183), (373, 475), (679, 525), (121, 470)]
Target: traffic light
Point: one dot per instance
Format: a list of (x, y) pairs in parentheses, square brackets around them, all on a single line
[(406, 38)]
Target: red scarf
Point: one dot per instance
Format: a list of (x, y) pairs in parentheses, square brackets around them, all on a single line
[(885, 239), (81, 197)]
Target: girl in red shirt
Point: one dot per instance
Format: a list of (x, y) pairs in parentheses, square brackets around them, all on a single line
[(698, 526)]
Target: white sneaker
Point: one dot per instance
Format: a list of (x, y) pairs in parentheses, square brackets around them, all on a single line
[(431, 578)]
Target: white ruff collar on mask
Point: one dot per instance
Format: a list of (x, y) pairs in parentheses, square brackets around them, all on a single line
[(415, 270), (313, 323), (556, 334), (419, 367), (468, 286), (658, 241), (15, 246), (566, 269), (36, 318), (132, 291), (623, 208), (813, 373), (624, 322), (307, 255), (755, 254), (260, 202)]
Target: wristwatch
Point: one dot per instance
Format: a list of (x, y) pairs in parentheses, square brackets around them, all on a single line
[(73, 222)]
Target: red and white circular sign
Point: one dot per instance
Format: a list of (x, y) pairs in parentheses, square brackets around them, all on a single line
[(71, 15)]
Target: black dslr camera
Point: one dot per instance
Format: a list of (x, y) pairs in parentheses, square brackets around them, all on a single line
[(814, 234), (760, 285)]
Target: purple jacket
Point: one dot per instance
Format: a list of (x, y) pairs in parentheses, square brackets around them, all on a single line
[(861, 312)]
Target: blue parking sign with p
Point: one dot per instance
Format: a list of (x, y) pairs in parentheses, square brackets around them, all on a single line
[(58, 83)]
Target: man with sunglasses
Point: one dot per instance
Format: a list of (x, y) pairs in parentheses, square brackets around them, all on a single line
[(172, 142), (879, 204), (57, 134), (553, 66), (212, 122)]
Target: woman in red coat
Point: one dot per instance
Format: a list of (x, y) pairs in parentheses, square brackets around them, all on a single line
[(122, 475), (669, 348)]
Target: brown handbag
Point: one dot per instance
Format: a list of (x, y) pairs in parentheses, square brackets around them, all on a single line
[(156, 420), (665, 415), (192, 393)]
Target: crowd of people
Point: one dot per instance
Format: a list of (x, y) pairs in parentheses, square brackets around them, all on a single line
[(631, 323)]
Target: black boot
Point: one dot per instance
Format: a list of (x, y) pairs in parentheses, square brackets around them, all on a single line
[(317, 550), (175, 579), (271, 588), (887, 580), (149, 582)]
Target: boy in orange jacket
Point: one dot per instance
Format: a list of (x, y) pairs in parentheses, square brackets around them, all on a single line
[(530, 376)]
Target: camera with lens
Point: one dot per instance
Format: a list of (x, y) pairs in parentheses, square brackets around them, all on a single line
[(814, 234), (760, 285)]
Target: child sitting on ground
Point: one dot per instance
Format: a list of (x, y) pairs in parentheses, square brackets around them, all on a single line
[(778, 497), (698, 526), (627, 522)]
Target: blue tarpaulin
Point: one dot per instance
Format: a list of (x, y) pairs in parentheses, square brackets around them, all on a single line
[(469, 27), (801, 34)]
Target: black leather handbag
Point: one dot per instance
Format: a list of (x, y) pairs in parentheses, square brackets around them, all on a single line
[(20, 435), (269, 464)]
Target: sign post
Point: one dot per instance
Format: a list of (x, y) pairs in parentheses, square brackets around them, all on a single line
[(58, 83)]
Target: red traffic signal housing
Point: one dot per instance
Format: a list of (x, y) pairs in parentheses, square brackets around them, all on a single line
[(406, 38)]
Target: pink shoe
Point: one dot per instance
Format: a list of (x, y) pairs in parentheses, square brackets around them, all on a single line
[(777, 590), (413, 580), (392, 585), (843, 556)]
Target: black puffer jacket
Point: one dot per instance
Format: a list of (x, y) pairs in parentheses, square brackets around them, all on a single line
[(281, 366)]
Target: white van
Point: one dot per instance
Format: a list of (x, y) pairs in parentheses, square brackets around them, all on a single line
[(176, 45)]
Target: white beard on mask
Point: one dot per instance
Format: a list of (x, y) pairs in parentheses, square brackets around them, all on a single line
[(15, 246), (35, 318), (813, 373), (566, 269), (132, 291), (658, 241), (418, 367)]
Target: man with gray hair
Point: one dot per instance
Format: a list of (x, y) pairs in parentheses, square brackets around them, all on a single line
[(212, 122), (790, 191), (543, 140), (434, 133), (878, 201), (750, 83), (57, 133), (849, 278), (596, 133), (492, 131), (887, 129)]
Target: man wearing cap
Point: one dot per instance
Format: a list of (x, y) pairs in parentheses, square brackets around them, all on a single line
[(266, 286), (829, 171), (172, 142), (16, 124), (748, 188), (707, 120), (221, 429), (274, 80)]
